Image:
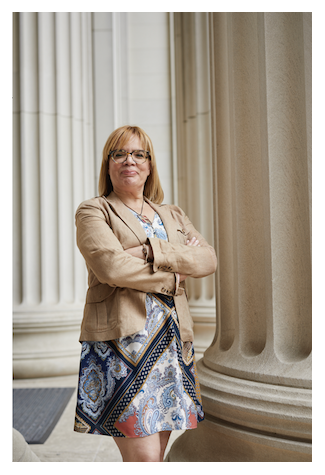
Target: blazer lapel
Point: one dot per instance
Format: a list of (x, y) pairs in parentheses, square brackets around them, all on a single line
[(133, 223), (126, 216), (167, 219)]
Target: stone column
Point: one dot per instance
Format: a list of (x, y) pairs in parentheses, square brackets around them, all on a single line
[(256, 376), (194, 160), (53, 173)]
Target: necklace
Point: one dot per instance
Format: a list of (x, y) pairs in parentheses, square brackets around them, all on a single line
[(142, 217)]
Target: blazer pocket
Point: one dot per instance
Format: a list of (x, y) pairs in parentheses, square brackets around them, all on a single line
[(99, 293), (99, 316)]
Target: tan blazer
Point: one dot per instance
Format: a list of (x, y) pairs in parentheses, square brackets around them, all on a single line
[(118, 282)]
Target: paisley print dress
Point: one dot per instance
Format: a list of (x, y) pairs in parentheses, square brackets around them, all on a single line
[(144, 383)]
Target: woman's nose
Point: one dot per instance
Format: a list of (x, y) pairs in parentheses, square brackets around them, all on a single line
[(129, 159)]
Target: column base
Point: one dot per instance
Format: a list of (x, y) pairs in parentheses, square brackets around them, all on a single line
[(214, 441), (46, 343), (247, 421)]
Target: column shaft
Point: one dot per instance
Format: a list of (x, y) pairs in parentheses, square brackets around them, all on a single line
[(263, 225), (289, 185), (194, 171), (48, 162), (65, 156), (29, 123), (54, 167)]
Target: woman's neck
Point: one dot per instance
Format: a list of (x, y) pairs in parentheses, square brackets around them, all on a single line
[(132, 199)]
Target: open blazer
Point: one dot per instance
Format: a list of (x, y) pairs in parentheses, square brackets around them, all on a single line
[(118, 282)]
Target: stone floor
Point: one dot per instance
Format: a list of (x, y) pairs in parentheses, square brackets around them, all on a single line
[(65, 445)]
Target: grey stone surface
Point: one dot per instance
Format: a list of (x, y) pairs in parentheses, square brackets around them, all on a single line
[(37, 410)]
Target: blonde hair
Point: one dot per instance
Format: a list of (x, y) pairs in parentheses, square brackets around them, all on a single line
[(152, 188)]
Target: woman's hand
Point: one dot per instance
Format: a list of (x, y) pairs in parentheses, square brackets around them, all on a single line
[(193, 242)]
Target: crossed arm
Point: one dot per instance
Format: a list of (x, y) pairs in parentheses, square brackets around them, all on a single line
[(137, 251), (111, 264)]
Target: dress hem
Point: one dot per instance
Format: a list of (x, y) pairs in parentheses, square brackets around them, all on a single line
[(137, 436)]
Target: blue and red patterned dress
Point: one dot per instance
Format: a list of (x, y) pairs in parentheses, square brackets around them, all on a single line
[(144, 383)]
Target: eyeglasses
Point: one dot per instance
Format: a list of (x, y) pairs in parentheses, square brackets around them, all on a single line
[(138, 156)]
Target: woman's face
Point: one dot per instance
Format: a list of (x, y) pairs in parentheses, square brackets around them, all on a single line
[(129, 176)]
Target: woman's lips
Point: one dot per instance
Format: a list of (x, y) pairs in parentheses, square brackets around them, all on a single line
[(129, 172)]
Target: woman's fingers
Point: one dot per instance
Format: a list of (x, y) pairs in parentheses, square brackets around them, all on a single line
[(193, 242)]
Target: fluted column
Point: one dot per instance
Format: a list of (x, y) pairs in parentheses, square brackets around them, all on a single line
[(53, 173), (256, 376), (194, 162)]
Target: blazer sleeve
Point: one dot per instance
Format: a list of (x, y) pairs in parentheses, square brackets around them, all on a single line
[(107, 259), (193, 261)]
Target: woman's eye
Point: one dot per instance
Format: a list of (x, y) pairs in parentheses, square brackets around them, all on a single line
[(139, 155)]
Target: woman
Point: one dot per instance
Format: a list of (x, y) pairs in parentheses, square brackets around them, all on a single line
[(137, 378)]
